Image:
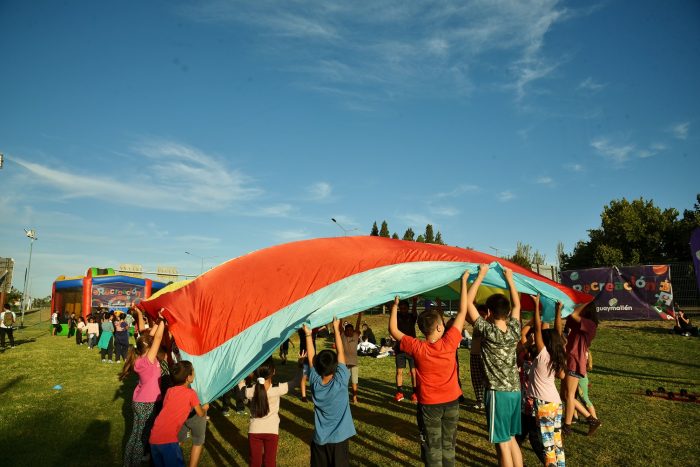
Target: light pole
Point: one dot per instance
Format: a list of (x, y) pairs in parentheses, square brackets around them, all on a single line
[(31, 234), (345, 231), (202, 258)]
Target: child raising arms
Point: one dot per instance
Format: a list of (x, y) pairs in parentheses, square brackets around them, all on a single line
[(263, 430), (500, 338), (333, 425)]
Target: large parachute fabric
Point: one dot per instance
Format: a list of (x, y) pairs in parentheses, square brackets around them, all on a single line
[(230, 319)]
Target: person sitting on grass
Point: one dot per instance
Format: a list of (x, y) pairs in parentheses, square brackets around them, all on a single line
[(367, 334), (582, 325), (683, 325), (437, 388), (263, 429), (333, 425), (499, 341), (179, 400)]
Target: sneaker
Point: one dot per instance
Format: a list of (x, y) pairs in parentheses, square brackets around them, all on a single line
[(593, 424), (414, 398), (110, 361), (461, 398), (478, 406), (398, 397), (304, 399), (226, 412), (104, 361), (354, 399), (566, 429)]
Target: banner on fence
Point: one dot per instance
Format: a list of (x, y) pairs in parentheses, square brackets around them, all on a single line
[(631, 292)]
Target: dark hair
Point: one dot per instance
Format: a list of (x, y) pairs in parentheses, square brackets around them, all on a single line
[(325, 362), (590, 312), (499, 305), (428, 321), (259, 406), (403, 303), (6, 306), (482, 309), (557, 354), (143, 343), (180, 372)]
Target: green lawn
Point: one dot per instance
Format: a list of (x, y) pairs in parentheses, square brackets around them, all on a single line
[(87, 422)]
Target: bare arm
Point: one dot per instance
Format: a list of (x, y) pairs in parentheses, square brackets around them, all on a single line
[(358, 326), (339, 346), (393, 321), (152, 353), (525, 330), (576, 315), (468, 298), (310, 351), (514, 296), (538, 325), (558, 323), (201, 409), (461, 316)]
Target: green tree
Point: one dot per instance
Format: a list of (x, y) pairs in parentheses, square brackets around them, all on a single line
[(409, 235), (438, 239), (375, 230), (429, 235), (636, 232), (526, 256), (384, 232), (395, 236), (420, 239)]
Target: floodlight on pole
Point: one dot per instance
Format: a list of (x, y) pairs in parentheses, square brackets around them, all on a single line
[(345, 231), (202, 258), (31, 234)]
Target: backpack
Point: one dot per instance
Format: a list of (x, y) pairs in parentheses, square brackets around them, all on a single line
[(7, 319)]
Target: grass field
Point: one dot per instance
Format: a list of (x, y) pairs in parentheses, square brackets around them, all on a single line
[(87, 422)]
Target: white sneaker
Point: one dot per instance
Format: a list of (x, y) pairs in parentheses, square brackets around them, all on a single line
[(103, 360)]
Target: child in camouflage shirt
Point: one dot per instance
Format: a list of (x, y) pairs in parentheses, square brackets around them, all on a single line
[(500, 337)]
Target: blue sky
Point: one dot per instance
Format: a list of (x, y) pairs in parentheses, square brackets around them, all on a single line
[(136, 131)]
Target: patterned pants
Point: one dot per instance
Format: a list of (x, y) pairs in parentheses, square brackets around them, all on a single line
[(144, 415), (476, 365), (549, 415)]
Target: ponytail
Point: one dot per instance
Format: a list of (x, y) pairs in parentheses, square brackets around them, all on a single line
[(143, 343), (128, 364), (259, 406)]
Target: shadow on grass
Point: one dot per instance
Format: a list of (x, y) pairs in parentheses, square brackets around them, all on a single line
[(97, 437), (10, 384), (125, 392), (230, 432), (633, 374), (649, 358)]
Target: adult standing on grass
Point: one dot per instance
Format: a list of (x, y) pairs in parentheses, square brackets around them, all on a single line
[(7, 321), (144, 362)]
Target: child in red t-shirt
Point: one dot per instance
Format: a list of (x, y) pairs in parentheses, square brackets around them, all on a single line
[(436, 381), (178, 402)]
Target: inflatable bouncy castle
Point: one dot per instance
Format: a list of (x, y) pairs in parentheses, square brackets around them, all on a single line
[(99, 288)]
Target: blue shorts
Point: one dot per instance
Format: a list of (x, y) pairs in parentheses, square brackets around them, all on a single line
[(167, 455), (502, 415)]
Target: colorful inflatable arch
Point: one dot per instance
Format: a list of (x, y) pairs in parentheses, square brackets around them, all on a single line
[(230, 319), (99, 288)]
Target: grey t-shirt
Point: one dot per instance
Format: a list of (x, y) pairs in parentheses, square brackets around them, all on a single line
[(498, 351)]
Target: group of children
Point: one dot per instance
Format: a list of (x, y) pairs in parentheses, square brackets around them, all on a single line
[(513, 368), (109, 332)]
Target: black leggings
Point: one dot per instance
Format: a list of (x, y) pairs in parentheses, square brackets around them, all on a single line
[(78, 337)]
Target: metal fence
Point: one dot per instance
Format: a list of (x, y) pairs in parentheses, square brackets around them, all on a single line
[(685, 286)]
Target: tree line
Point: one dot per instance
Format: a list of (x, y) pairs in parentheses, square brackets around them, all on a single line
[(429, 236)]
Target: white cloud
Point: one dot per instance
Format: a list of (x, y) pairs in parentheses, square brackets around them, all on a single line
[(544, 180), (615, 153), (448, 211), (320, 191), (575, 167), (590, 85), (653, 150), (458, 191), (291, 235), (680, 130), (389, 48), (275, 210), (505, 196), (178, 177)]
